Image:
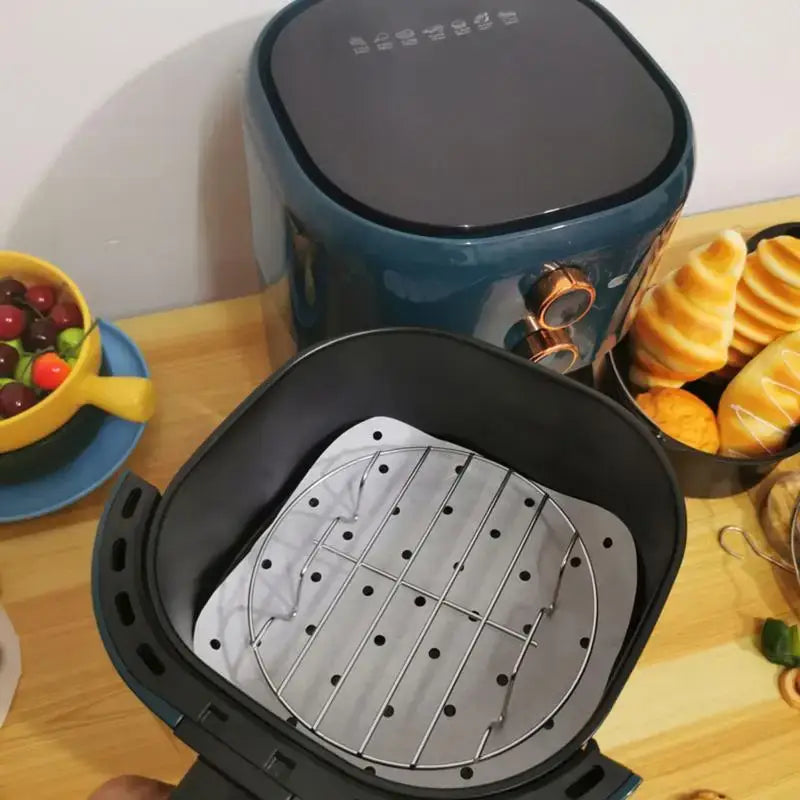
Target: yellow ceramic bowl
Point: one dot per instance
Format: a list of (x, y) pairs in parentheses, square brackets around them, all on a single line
[(129, 398)]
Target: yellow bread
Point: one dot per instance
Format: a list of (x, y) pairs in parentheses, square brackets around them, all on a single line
[(685, 325), (768, 295), (683, 416), (754, 329), (761, 405)]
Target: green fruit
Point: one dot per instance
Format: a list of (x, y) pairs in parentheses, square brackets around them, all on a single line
[(72, 361), (69, 342), (16, 344), (24, 370)]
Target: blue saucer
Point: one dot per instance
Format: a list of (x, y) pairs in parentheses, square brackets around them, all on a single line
[(109, 442)]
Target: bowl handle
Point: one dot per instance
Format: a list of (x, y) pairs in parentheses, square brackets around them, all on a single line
[(130, 398)]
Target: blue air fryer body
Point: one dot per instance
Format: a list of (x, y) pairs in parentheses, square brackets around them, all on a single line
[(508, 170)]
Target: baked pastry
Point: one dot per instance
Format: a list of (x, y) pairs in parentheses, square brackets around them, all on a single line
[(761, 405), (683, 416), (767, 298), (684, 327)]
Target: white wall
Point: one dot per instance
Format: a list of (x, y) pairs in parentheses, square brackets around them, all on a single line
[(121, 157)]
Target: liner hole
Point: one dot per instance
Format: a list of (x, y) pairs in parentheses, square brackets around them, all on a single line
[(449, 710), (529, 502), (608, 542), (313, 502), (494, 533), (585, 642), (367, 591), (548, 726), (377, 436), (335, 679), (524, 575), (420, 601), (380, 640), (316, 577), (434, 652), (502, 680), (310, 629), (266, 564), (447, 510), (383, 469), (467, 773), (388, 711), (347, 535), (215, 644), (575, 561), (396, 510), (407, 554)]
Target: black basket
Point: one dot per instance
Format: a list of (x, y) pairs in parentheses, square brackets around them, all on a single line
[(157, 560)]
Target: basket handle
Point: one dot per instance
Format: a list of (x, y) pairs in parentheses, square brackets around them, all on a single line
[(203, 782), (587, 776)]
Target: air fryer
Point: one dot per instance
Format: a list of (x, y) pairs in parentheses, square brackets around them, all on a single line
[(507, 171), (158, 561)]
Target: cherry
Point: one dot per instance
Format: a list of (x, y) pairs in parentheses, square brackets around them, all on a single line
[(40, 335), (11, 289), (50, 371), (12, 321), (16, 398), (8, 360), (42, 298), (66, 315)]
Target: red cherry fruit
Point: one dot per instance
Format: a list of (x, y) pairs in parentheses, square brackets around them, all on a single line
[(11, 289), (9, 357), (42, 298), (12, 321), (16, 398), (50, 371), (66, 315)]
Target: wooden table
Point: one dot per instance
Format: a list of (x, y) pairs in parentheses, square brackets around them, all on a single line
[(701, 709)]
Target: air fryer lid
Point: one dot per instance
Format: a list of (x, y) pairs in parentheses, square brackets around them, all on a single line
[(451, 114)]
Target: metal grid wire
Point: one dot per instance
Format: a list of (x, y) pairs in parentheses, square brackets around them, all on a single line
[(526, 640)]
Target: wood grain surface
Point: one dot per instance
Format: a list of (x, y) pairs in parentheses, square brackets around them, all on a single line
[(701, 710)]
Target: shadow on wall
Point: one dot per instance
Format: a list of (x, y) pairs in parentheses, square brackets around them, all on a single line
[(146, 206)]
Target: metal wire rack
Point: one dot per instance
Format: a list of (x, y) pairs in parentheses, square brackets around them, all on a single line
[(363, 468)]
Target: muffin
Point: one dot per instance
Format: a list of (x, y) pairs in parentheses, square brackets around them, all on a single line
[(683, 416)]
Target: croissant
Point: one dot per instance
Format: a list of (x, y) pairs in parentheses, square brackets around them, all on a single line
[(767, 299), (684, 328), (761, 405)]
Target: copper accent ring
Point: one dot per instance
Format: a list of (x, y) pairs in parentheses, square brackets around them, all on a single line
[(552, 286), (541, 343)]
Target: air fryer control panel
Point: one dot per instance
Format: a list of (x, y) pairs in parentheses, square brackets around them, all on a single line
[(438, 30)]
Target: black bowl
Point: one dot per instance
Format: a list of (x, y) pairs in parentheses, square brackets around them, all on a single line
[(700, 474), (784, 229), (55, 450)]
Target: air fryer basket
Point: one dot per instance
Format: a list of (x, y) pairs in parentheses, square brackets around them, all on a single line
[(157, 561)]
